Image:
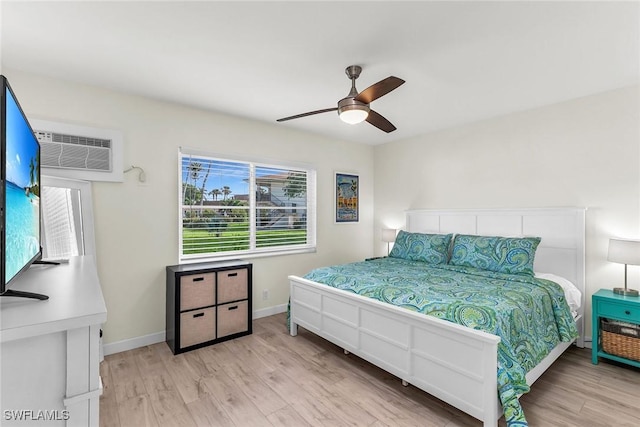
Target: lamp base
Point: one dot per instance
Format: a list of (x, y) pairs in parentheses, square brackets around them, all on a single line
[(626, 292)]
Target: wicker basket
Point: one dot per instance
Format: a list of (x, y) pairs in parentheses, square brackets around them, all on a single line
[(621, 339)]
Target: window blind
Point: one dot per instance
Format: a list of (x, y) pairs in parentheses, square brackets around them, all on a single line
[(60, 208)]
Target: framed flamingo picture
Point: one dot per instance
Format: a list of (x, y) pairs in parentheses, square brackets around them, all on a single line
[(346, 197)]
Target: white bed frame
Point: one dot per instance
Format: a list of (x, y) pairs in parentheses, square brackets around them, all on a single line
[(451, 362)]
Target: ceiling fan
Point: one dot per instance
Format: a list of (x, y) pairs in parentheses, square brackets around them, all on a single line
[(354, 108)]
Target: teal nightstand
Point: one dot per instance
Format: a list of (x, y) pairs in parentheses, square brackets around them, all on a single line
[(605, 303)]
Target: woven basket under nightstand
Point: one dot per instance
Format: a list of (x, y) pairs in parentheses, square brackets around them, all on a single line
[(621, 339)]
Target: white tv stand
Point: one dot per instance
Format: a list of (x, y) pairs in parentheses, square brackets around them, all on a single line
[(50, 350)]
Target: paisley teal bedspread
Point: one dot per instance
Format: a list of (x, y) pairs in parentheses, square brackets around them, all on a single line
[(530, 315)]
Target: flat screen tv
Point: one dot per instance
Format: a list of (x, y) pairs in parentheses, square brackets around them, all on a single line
[(20, 209)]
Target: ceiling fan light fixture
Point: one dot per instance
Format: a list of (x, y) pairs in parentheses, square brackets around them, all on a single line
[(354, 114), (354, 108)]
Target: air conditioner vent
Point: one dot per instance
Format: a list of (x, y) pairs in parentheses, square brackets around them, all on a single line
[(79, 152), (81, 140), (66, 151)]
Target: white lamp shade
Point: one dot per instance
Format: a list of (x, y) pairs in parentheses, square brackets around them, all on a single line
[(624, 251), (354, 116), (388, 234)]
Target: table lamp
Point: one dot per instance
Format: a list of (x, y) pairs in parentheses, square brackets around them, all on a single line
[(388, 235), (624, 251)]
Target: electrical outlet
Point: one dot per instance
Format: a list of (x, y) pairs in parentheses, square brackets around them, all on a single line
[(265, 295)]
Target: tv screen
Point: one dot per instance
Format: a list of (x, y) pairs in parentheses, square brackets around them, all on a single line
[(20, 232)]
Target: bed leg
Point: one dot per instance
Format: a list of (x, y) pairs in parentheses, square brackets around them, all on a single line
[(345, 351), (489, 423), (404, 383), (293, 329)]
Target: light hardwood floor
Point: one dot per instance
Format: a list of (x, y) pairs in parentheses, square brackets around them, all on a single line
[(272, 379)]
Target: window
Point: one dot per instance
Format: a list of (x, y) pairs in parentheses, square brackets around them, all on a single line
[(237, 207), (67, 219)]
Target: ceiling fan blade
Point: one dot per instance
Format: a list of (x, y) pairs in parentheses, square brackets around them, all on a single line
[(380, 122), (310, 113), (379, 89)]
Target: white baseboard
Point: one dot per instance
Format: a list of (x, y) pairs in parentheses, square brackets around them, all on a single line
[(269, 311), (132, 343)]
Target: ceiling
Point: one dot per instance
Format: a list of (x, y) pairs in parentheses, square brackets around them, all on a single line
[(462, 61)]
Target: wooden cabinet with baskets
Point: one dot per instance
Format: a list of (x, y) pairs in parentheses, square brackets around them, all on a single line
[(207, 303), (616, 327)]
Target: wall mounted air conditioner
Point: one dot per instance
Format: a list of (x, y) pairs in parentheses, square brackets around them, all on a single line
[(79, 152)]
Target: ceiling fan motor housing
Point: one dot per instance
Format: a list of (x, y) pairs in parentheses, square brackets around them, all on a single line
[(349, 103)]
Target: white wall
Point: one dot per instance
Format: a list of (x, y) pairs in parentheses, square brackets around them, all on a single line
[(137, 223), (585, 152)]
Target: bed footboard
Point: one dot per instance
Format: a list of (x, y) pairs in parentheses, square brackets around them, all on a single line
[(455, 364)]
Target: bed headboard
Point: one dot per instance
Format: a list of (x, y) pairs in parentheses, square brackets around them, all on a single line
[(561, 250)]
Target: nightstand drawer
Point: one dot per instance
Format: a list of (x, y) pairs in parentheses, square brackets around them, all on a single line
[(232, 285), (619, 310), (197, 290), (197, 326)]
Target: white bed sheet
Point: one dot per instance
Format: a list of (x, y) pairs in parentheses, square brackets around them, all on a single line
[(571, 293)]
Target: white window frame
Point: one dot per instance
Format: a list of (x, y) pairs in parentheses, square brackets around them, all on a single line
[(310, 246), (86, 209)]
